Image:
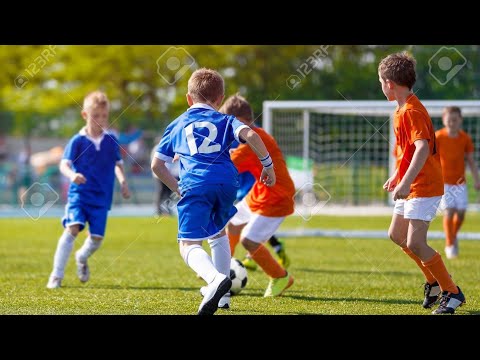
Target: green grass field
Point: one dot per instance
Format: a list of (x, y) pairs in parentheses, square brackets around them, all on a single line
[(139, 271)]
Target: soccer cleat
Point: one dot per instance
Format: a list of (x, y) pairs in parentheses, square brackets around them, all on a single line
[(83, 272), (432, 292), (277, 286), (449, 302), (214, 292), (451, 251), (224, 302), (249, 263), (54, 282)]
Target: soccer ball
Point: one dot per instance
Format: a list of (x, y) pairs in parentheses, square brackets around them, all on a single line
[(238, 275)]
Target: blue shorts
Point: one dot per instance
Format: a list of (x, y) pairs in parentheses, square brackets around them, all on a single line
[(80, 214), (204, 211)]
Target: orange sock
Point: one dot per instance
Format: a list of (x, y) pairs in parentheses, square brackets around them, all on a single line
[(428, 275), (457, 224), (449, 229), (266, 261), (439, 271), (233, 239)]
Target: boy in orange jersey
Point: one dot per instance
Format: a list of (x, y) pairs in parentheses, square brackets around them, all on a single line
[(264, 208), (417, 183), (454, 145)]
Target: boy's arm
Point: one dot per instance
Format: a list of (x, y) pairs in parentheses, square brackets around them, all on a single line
[(256, 144), (120, 174), (161, 171), (66, 170), (473, 169), (422, 150)]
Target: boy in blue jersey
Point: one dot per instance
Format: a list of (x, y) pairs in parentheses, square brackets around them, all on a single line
[(201, 137), (91, 160)]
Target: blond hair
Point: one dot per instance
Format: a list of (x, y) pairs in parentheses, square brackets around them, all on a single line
[(94, 100), (205, 85), (237, 106)]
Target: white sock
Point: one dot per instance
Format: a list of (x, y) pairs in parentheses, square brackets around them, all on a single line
[(221, 255), (200, 262), (64, 248), (88, 248)]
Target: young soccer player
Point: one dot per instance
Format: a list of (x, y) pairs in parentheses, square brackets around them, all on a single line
[(91, 160), (262, 211), (208, 180), (417, 183), (454, 145)]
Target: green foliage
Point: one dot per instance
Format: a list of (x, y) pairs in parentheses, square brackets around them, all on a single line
[(44, 85)]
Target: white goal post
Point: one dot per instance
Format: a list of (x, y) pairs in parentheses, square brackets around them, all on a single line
[(347, 146)]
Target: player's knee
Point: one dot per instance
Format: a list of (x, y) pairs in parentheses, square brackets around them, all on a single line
[(414, 247), (249, 245), (74, 230), (97, 238)]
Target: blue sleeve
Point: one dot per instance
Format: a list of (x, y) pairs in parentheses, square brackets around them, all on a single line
[(118, 156), (237, 126), (71, 151), (165, 147)]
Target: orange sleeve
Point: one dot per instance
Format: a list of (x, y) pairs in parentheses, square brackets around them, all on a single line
[(415, 126), (469, 145), (243, 158)]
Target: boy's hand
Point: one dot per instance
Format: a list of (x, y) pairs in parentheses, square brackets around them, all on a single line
[(78, 179), (125, 191), (477, 186), (401, 191), (390, 184), (268, 177)]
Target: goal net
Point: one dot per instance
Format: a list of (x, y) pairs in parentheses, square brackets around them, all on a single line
[(341, 152)]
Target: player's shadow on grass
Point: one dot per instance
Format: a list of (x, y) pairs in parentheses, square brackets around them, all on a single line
[(352, 299), (119, 287), (359, 272)]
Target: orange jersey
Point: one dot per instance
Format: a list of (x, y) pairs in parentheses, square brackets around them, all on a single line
[(452, 152), (411, 122), (275, 201)]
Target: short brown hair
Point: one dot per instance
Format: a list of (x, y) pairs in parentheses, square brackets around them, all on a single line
[(399, 68), (206, 85), (452, 109), (95, 99), (237, 106)]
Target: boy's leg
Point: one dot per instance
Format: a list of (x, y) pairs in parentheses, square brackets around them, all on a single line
[(279, 248), (62, 253), (449, 229), (256, 233), (97, 220), (200, 262), (220, 249)]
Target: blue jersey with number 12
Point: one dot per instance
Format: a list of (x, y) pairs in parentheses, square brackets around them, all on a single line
[(202, 137)]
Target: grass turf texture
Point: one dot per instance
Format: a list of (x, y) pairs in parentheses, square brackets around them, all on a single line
[(139, 270)]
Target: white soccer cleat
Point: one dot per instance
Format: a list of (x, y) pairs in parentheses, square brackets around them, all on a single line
[(223, 303), (451, 251), (83, 272), (54, 282), (213, 293)]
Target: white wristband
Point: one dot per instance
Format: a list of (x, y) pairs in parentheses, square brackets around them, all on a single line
[(267, 162)]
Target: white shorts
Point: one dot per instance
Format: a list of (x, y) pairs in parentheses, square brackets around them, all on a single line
[(423, 209), (455, 197), (259, 228)]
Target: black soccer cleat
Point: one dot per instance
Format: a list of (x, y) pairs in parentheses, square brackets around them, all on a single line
[(449, 302), (215, 291), (432, 293)]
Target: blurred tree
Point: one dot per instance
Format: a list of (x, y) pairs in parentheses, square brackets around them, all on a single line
[(44, 85)]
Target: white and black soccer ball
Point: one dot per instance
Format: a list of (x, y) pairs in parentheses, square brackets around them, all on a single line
[(238, 275)]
